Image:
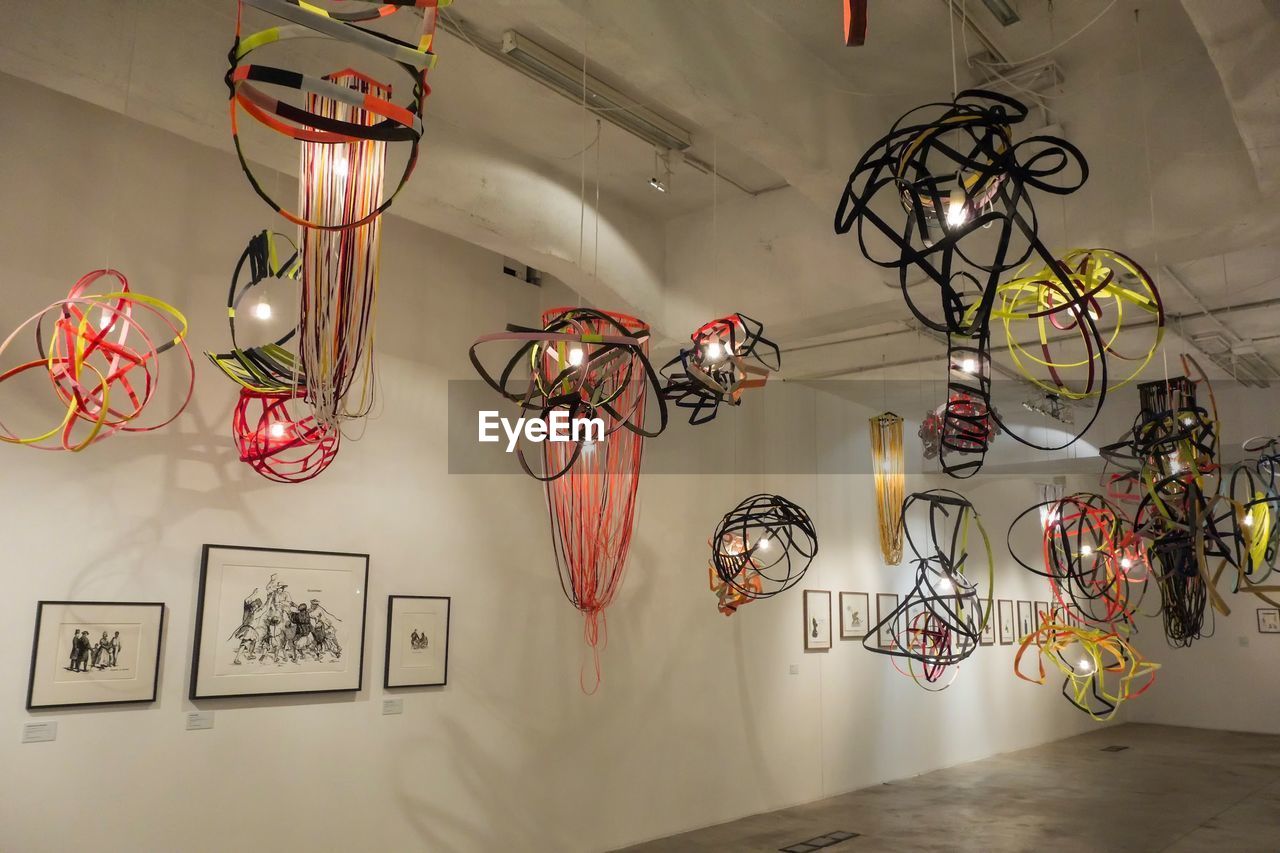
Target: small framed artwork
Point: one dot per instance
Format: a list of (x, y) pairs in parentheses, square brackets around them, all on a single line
[(855, 615), (988, 635), (1042, 612), (817, 620), (95, 653), (271, 621), (886, 603), (1268, 620), (1024, 619), (417, 641), (1004, 621)]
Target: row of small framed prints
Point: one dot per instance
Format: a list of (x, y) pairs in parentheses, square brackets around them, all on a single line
[(269, 621), (855, 618)]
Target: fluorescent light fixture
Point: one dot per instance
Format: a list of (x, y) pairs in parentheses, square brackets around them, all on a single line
[(1004, 13), (602, 99)]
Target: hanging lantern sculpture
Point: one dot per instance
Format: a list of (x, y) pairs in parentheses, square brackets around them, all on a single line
[(939, 622), (744, 584), (100, 351), (763, 546), (890, 480), (280, 439), (728, 356), (956, 172)]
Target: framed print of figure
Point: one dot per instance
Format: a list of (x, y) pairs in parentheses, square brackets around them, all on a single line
[(1025, 616), (988, 635), (855, 615), (1042, 613), (1268, 620), (417, 641), (1004, 621), (886, 603), (95, 653), (272, 620), (817, 620)]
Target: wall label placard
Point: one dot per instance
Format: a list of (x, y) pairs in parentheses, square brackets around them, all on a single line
[(39, 732)]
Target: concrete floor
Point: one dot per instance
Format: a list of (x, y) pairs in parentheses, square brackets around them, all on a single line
[(1174, 789)]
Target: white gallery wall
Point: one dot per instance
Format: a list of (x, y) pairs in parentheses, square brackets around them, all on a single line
[(699, 719)]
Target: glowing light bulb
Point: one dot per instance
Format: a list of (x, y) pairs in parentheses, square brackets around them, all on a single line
[(1126, 563), (1086, 550), (969, 366), (340, 164), (262, 310), (276, 430), (104, 320), (1084, 666), (713, 349), (763, 544), (1248, 520), (1175, 464), (575, 356), (945, 587), (957, 210)]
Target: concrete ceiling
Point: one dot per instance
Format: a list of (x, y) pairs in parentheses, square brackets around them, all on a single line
[(1176, 110)]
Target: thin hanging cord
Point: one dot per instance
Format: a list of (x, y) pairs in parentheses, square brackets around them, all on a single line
[(715, 210), (595, 273), (955, 72), (582, 170), (1065, 42), (1146, 151)]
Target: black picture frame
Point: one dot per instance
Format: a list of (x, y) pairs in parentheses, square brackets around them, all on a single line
[(391, 619), (196, 647), (32, 705), (1268, 610), (1026, 620), (1004, 608)]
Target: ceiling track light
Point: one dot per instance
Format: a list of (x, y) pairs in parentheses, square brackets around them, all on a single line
[(600, 98)]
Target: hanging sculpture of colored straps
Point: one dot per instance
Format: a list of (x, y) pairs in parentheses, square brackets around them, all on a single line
[(336, 115), (1101, 670), (956, 172), (890, 480), (274, 430), (728, 356), (939, 622), (1096, 563), (100, 351), (581, 364), (762, 547)]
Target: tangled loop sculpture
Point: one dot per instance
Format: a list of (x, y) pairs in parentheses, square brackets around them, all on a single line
[(278, 437), (1096, 563), (966, 189), (762, 547), (581, 364), (341, 118), (939, 622), (1101, 670), (728, 356), (100, 353)]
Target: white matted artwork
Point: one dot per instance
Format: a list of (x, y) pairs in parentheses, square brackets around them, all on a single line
[(817, 620), (272, 621), (1268, 620), (855, 615), (1004, 621), (1025, 617), (95, 653), (886, 603), (417, 641), (988, 635)]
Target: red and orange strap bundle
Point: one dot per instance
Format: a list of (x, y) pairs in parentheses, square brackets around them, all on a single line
[(100, 351)]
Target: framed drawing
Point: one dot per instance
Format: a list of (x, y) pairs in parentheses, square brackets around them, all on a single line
[(1004, 621), (817, 620), (417, 641), (272, 621), (988, 635), (855, 613), (1042, 612), (1024, 619), (1268, 620), (886, 603), (95, 653)]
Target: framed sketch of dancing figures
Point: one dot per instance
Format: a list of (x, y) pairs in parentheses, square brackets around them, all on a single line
[(271, 621), (417, 641), (95, 653)]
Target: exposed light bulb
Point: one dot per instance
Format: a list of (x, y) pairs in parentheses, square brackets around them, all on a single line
[(104, 320), (957, 210), (1086, 550), (969, 366), (1126, 563), (1175, 464), (713, 349), (340, 164), (575, 356), (1248, 520), (276, 430), (262, 310), (944, 586), (763, 544), (1085, 666)]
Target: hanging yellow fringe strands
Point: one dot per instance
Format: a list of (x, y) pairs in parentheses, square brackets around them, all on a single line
[(886, 453)]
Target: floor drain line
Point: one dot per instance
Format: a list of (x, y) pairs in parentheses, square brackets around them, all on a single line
[(1116, 748), (820, 842)]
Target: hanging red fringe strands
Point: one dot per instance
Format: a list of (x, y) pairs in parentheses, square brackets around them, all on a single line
[(728, 356), (100, 352), (366, 114)]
